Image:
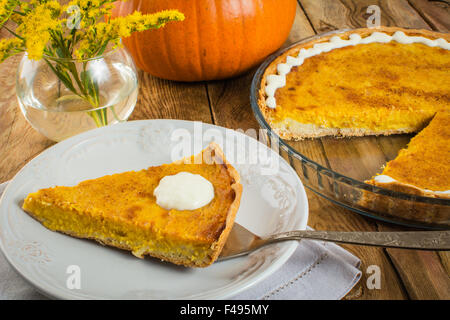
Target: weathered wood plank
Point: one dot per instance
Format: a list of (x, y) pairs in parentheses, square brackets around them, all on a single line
[(435, 13), (342, 14), (163, 99), (445, 260), (425, 278)]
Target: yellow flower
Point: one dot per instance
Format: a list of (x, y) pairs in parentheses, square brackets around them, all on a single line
[(125, 26), (6, 9), (43, 26), (9, 47), (36, 27), (3, 7), (99, 35)]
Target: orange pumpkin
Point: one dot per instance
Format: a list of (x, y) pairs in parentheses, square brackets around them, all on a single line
[(218, 39)]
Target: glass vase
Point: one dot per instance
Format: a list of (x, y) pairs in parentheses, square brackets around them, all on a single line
[(63, 97)]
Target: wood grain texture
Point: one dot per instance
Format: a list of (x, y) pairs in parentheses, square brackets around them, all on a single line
[(445, 260), (163, 99), (435, 12), (424, 278), (328, 15)]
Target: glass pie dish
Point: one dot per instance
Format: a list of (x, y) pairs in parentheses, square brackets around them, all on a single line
[(336, 168)]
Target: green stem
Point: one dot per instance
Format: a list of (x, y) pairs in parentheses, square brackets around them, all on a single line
[(97, 118), (6, 18), (67, 70), (104, 113), (19, 13), (115, 114), (13, 33)]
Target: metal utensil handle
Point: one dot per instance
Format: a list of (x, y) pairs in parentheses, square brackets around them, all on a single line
[(420, 240)]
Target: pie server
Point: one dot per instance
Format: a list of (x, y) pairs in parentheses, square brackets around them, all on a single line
[(241, 241)]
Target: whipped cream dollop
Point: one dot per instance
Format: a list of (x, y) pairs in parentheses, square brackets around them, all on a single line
[(183, 191), (382, 178), (276, 81)]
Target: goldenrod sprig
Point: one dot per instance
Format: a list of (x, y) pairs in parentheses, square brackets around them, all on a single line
[(46, 26), (9, 47), (7, 9), (37, 27), (98, 36)]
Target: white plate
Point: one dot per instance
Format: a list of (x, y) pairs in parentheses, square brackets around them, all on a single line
[(271, 202)]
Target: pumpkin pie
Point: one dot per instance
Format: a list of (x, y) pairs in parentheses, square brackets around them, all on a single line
[(120, 210), (379, 81)]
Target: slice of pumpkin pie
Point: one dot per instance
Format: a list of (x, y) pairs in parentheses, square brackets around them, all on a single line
[(423, 168), (184, 226)]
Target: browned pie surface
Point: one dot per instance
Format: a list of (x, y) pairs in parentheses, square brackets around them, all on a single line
[(373, 86), (425, 163)]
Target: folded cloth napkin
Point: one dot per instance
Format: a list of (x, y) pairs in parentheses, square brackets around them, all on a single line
[(316, 270)]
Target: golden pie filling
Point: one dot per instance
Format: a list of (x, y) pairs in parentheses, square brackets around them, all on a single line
[(121, 210), (379, 87), (425, 163)]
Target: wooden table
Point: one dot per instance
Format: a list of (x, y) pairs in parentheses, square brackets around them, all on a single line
[(405, 274)]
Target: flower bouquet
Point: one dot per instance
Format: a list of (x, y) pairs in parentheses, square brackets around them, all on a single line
[(79, 45)]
